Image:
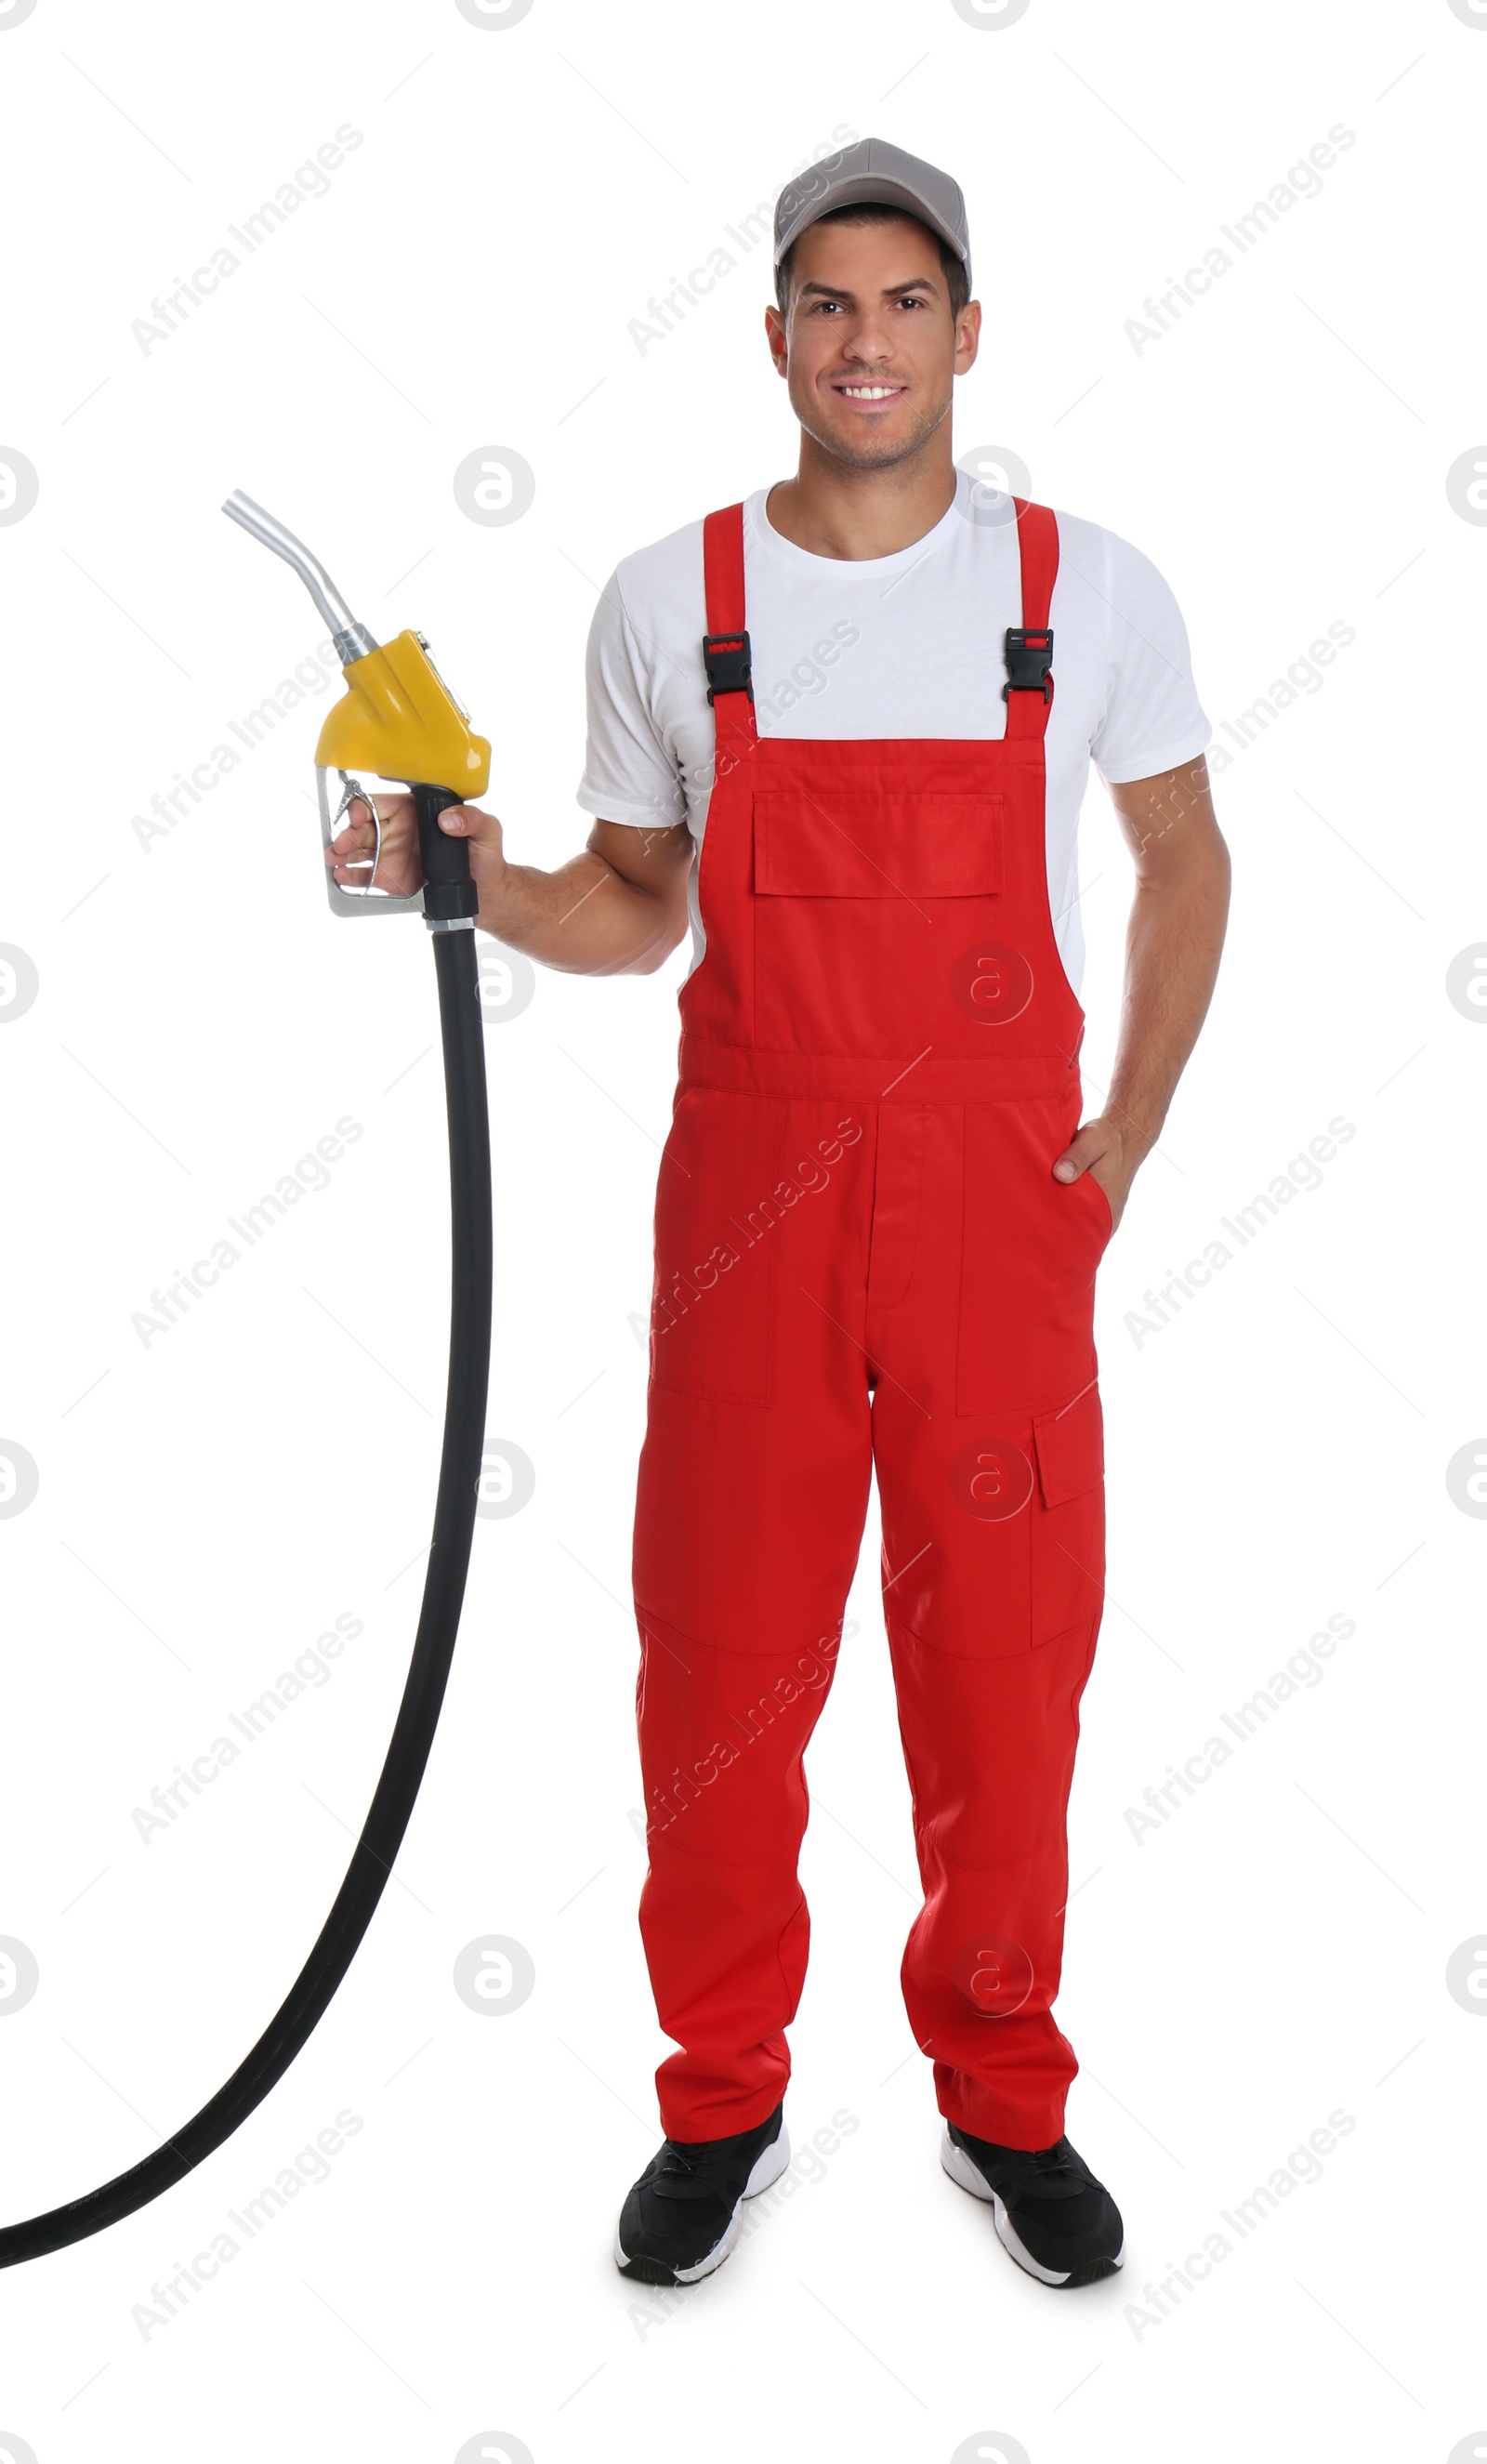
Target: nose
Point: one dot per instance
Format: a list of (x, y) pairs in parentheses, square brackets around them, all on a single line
[(868, 344)]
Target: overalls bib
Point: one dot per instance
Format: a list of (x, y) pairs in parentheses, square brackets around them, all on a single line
[(862, 1259)]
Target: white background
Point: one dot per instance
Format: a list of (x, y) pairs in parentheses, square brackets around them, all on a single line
[(1276, 1950)]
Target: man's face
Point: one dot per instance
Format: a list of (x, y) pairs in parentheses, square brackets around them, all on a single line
[(869, 348)]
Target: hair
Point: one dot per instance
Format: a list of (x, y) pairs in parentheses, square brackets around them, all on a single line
[(955, 272)]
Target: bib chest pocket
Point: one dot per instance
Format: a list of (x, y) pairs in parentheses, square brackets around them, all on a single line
[(920, 845), (862, 897)]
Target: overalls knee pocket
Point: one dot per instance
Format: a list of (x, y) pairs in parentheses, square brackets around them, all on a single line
[(1000, 1549), (1068, 1516)]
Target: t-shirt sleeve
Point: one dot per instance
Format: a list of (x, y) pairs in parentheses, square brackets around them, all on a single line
[(629, 776), (1153, 720)]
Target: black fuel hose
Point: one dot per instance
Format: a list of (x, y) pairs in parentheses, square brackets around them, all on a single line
[(433, 1649)]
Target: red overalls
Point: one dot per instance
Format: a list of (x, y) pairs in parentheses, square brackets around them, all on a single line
[(862, 1259)]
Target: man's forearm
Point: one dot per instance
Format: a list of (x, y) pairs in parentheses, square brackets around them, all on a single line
[(1172, 946), (584, 919)]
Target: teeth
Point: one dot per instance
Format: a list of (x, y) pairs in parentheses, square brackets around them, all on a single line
[(869, 393)]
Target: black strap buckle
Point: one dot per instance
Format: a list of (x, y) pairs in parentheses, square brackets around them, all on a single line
[(729, 662), (1029, 663)]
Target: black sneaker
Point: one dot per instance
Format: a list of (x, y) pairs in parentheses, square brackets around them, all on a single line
[(1050, 2213), (686, 2211)]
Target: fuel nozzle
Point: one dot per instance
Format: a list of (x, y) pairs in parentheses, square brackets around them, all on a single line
[(399, 720), (352, 640)]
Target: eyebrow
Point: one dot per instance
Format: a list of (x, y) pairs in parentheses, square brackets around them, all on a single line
[(891, 290)]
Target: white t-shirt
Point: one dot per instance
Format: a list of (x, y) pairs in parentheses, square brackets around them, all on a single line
[(910, 645)]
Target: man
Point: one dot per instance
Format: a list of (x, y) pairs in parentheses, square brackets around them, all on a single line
[(831, 726)]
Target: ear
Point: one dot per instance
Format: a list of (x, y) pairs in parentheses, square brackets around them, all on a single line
[(968, 336), (774, 327)]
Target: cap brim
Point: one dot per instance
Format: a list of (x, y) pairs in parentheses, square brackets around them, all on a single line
[(872, 188)]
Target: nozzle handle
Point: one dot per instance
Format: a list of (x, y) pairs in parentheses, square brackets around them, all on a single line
[(447, 888)]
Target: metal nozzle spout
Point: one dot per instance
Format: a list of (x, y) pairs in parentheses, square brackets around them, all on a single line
[(352, 640)]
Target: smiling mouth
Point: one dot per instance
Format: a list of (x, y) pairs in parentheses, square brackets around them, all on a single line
[(872, 393)]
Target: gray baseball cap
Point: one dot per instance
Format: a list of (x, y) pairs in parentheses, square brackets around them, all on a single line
[(872, 172)]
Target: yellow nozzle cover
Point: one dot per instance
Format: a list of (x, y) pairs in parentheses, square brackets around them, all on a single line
[(398, 719)]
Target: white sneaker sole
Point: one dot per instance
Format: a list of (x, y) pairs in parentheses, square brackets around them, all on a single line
[(968, 2177), (768, 2168)]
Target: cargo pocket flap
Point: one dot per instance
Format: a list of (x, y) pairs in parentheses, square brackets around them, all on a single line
[(1070, 1447)]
